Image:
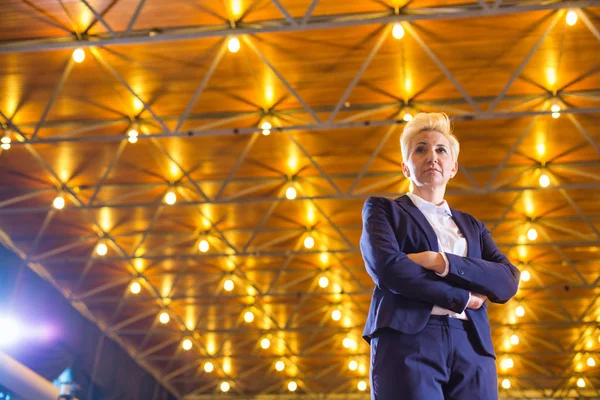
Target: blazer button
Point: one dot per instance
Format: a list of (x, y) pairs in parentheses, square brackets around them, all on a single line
[(461, 272)]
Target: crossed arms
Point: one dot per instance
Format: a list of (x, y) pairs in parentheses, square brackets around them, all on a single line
[(469, 280)]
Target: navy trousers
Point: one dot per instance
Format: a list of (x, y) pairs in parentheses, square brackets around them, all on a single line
[(443, 361)]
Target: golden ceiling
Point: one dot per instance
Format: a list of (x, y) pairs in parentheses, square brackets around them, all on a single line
[(331, 82)]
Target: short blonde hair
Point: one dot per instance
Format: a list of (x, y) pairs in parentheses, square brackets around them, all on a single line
[(438, 122)]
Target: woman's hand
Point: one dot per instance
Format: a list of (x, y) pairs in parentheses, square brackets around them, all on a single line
[(429, 260), (476, 301)]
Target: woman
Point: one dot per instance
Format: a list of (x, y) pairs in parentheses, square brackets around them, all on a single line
[(434, 268)]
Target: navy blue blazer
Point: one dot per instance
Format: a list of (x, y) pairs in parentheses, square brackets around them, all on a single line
[(405, 292)]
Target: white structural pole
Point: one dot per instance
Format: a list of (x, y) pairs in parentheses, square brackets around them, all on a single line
[(24, 382)]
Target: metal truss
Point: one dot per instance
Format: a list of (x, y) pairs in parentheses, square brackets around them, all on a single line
[(287, 24), (117, 329)]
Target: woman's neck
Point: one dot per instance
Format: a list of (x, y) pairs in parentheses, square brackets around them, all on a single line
[(432, 194)]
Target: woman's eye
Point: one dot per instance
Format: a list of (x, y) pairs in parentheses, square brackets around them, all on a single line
[(419, 150), (442, 150)]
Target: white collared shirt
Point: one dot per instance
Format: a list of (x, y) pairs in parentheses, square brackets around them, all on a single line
[(450, 239)]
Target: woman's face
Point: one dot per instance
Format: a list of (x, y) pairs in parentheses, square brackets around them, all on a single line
[(430, 162)]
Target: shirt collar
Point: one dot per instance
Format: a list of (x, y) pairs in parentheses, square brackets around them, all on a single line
[(426, 206)]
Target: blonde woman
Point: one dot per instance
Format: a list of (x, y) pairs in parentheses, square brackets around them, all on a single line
[(434, 268)]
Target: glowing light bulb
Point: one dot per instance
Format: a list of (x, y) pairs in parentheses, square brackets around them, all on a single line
[(532, 234), (6, 141), (514, 340), (544, 180), (555, 115), (233, 45), (506, 384), (266, 128), (362, 386), (591, 362), (507, 363), (336, 315), (135, 287), (290, 193), (203, 246), (279, 365), (525, 276), (555, 108), (209, 367), (59, 202), (133, 135), (323, 282), (398, 31), (170, 197), (186, 344), (309, 242), (101, 249), (520, 311), (580, 383), (228, 285), (78, 55), (265, 343), (164, 317), (249, 316), (407, 117), (353, 365), (292, 386), (571, 18), (225, 386)]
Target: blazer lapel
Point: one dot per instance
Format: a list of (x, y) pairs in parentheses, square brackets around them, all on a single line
[(461, 221), (407, 205)]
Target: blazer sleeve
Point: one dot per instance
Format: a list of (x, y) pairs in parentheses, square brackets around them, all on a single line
[(391, 269), (492, 275)]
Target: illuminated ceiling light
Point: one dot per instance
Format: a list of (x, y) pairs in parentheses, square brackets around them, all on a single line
[(323, 282), (514, 340), (59, 202), (135, 287), (203, 246), (525, 276), (309, 242), (164, 317), (133, 135), (233, 45), (292, 386), (541, 149), (362, 386), (266, 128), (336, 315), (290, 193), (6, 141), (279, 365), (225, 386), (544, 180), (507, 363), (249, 316), (101, 249), (228, 285), (349, 343), (79, 55), (170, 197), (591, 362), (265, 343), (555, 115), (555, 108), (580, 383), (353, 365), (571, 18), (398, 31), (520, 311), (209, 367), (407, 117), (532, 234), (186, 344), (506, 383)]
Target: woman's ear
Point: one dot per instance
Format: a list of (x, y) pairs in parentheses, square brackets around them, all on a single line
[(454, 170), (405, 170)]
